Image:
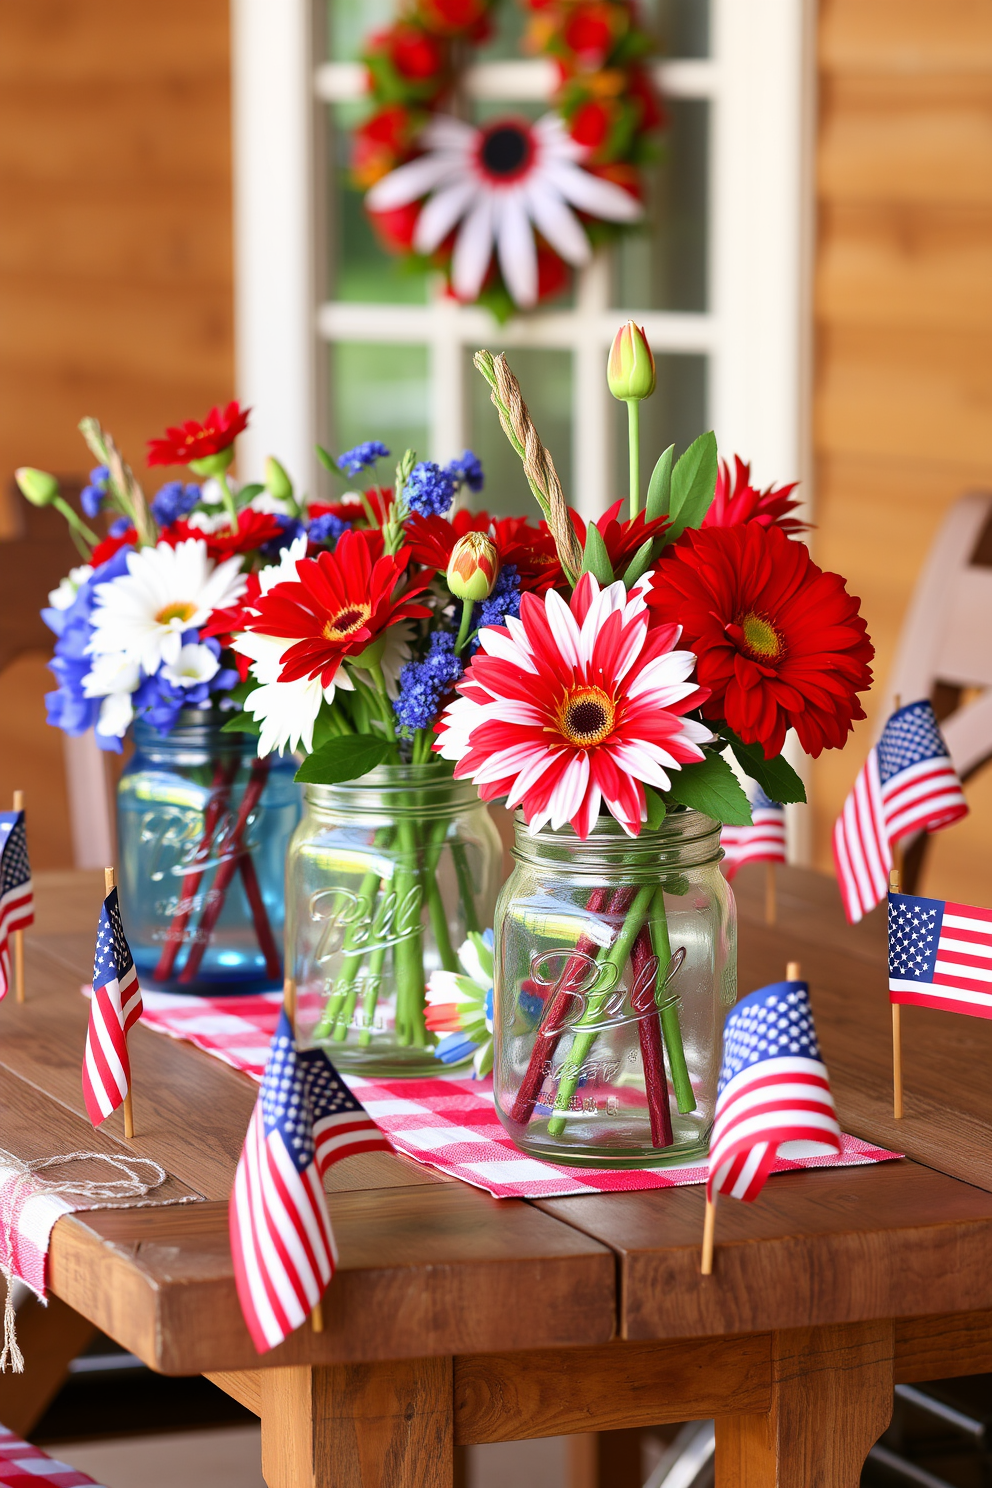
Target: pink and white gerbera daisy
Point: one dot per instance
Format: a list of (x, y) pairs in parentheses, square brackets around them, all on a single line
[(574, 704), (493, 183)]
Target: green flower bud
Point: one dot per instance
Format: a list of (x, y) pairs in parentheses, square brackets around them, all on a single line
[(473, 567), (630, 372), (277, 482), (37, 486), (213, 464)]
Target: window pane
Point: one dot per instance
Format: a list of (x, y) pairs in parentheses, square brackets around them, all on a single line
[(546, 382), (664, 266), (674, 414), (350, 21), (506, 42), (379, 392), (683, 25), (360, 267)]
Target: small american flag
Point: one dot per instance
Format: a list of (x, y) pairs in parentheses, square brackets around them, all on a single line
[(16, 894), (114, 1008), (283, 1249), (773, 1091), (907, 784), (940, 955), (762, 842)]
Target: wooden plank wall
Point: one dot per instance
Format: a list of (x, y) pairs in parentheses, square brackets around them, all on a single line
[(115, 267), (903, 399)]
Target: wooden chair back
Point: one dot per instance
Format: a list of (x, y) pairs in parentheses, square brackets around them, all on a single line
[(945, 650)]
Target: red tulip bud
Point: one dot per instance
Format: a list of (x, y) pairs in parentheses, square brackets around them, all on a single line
[(473, 567)]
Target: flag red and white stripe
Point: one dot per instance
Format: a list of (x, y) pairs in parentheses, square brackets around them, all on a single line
[(761, 842), (16, 889), (115, 1007), (940, 955)]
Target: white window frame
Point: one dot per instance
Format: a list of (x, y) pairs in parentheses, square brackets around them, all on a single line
[(760, 80)]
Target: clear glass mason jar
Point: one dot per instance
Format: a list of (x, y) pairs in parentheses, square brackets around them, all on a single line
[(616, 959), (386, 878), (203, 826)]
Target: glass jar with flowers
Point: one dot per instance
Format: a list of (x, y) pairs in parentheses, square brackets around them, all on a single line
[(608, 712)]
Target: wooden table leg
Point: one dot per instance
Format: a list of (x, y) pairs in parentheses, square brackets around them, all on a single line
[(358, 1425), (831, 1401)]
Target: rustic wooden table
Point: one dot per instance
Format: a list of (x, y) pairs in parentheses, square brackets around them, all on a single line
[(457, 1318)]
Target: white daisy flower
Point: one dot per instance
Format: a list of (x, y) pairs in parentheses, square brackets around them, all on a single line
[(113, 677), (62, 597), (195, 664), (165, 592), (500, 182)]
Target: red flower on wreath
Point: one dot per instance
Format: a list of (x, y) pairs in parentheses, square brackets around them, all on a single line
[(340, 603), (779, 642), (194, 441)]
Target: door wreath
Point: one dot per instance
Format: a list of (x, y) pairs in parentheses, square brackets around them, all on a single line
[(506, 209)]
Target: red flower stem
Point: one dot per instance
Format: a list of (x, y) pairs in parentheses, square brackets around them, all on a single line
[(263, 930), (220, 790), (649, 1033), (226, 870), (552, 1025)]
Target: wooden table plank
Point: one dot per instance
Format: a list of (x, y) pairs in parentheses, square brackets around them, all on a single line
[(436, 1269), (841, 1245)]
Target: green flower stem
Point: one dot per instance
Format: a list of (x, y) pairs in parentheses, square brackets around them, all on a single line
[(435, 903), (465, 889), (378, 928), (617, 956), (372, 984), (353, 951), (228, 497), (662, 946), (408, 952), (634, 445), (75, 521), (465, 626)]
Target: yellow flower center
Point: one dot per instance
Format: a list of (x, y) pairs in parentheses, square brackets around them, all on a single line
[(586, 716), (181, 610), (346, 622), (761, 637)]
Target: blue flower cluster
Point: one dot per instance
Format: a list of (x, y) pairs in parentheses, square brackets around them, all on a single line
[(504, 600), (160, 701), (430, 490), (363, 455), (467, 471), (291, 529), (91, 496), (326, 529), (173, 501), (424, 683), (68, 707)]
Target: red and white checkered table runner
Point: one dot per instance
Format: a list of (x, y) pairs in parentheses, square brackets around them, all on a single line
[(25, 1466), (447, 1121)]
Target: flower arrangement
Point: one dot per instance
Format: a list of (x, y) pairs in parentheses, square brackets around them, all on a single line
[(447, 193)]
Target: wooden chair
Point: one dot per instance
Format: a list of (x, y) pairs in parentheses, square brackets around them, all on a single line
[(32, 561), (945, 650)]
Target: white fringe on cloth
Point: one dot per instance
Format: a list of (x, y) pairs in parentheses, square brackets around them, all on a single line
[(113, 1193)]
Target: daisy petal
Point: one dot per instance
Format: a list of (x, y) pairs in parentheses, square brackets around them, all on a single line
[(558, 223), (473, 250), (515, 246), (441, 213), (592, 194), (410, 182)]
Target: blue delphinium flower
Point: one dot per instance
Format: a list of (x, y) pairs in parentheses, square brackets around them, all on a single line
[(291, 529), (91, 496), (504, 600), (467, 471), (424, 683), (172, 501), (119, 526), (430, 490), (326, 529), (354, 460), (68, 707), (161, 698)]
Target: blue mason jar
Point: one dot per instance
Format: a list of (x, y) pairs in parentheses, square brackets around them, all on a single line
[(203, 827)]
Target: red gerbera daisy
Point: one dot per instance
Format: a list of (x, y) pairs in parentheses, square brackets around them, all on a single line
[(194, 441), (621, 539), (226, 623), (780, 643), (531, 550), (341, 603), (736, 501), (574, 704), (253, 531)]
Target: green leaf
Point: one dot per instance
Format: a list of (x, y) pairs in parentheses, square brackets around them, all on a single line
[(639, 564), (328, 461), (660, 486), (693, 485), (595, 559), (241, 723), (776, 777), (656, 808), (248, 493), (713, 788), (345, 758)]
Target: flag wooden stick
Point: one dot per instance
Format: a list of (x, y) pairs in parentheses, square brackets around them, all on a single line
[(110, 882), (896, 1030), (289, 1003), (771, 906), (19, 934), (793, 972), (709, 1228)]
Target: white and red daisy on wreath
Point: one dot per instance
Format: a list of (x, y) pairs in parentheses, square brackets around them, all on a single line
[(509, 207)]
